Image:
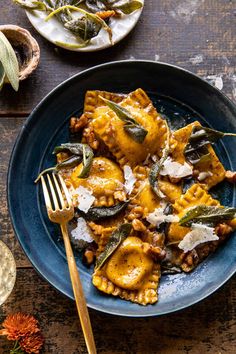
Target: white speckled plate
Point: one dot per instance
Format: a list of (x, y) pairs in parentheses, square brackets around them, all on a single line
[(7, 272), (55, 32)]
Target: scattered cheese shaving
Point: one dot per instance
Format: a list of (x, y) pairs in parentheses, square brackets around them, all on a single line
[(85, 198), (199, 234), (175, 169), (129, 179), (204, 175), (82, 231), (157, 217)]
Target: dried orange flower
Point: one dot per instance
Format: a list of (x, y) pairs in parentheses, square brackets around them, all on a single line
[(32, 343), (19, 325)]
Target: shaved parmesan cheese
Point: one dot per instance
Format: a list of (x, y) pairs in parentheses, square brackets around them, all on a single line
[(82, 231), (157, 217), (129, 179), (199, 234), (85, 198), (204, 175), (175, 169)]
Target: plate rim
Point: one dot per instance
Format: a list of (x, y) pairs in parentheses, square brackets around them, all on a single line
[(9, 173), (89, 49)]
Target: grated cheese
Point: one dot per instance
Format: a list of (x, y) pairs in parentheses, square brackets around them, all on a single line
[(175, 169), (204, 175), (82, 231), (199, 234), (85, 198), (129, 179), (157, 217)]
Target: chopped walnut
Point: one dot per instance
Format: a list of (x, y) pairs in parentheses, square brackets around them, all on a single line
[(156, 253), (230, 176), (89, 135), (223, 229), (76, 124), (120, 195), (138, 225), (89, 256)]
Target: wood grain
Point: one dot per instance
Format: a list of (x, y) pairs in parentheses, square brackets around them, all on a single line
[(170, 30), (176, 32), (208, 327)]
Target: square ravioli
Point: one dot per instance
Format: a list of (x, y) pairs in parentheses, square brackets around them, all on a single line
[(195, 195), (129, 273), (110, 129), (212, 166)]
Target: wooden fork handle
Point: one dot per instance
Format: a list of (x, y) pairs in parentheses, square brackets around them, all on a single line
[(78, 293)]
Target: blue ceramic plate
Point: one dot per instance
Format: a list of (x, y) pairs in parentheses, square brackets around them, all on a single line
[(179, 95)]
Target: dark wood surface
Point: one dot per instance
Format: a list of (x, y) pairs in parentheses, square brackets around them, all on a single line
[(176, 32)]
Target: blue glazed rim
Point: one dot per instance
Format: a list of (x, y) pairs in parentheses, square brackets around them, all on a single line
[(44, 101)]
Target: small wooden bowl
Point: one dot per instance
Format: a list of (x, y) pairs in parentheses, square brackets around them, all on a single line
[(25, 46)]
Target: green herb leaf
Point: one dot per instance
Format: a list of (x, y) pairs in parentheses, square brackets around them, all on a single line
[(87, 162), (132, 127), (208, 215), (31, 5), (156, 167), (83, 151), (196, 150), (2, 76), (129, 7), (86, 28), (9, 61), (100, 213), (118, 236), (95, 5)]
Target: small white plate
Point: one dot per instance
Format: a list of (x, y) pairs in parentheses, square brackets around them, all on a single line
[(7, 272), (54, 31)]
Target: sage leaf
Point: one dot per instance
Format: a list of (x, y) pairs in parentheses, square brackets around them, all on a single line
[(157, 166), (116, 238), (208, 215), (83, 151), (2, 76), (95, 5), (196, 150), (131, 126), (85, 27), (32, 5), (128, 7), (100, 213), (9, 61)]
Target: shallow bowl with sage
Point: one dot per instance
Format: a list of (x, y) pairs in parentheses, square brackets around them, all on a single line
[(84, 25), (142, 193)]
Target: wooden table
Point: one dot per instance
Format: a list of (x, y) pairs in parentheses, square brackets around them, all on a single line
[(197, 35)]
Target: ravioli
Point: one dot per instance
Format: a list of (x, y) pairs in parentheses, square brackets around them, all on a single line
[(110, 129), (213, 165), (130, 273)]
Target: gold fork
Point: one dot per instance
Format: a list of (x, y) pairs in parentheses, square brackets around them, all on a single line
[(61, 213)]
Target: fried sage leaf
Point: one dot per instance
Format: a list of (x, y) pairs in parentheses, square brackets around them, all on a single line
[(131, 126), (85, 27), (208, 215), (95, 5), (83, 151), (157, 166), (100, 213), (92, 17), (196, 150), (129, 6), (32, 5), (118, 236), (80, 152), (9, 62)]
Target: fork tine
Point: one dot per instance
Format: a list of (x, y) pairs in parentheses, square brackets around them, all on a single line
[(62, 200), (65, 191), (46, 194), (54, 197)]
